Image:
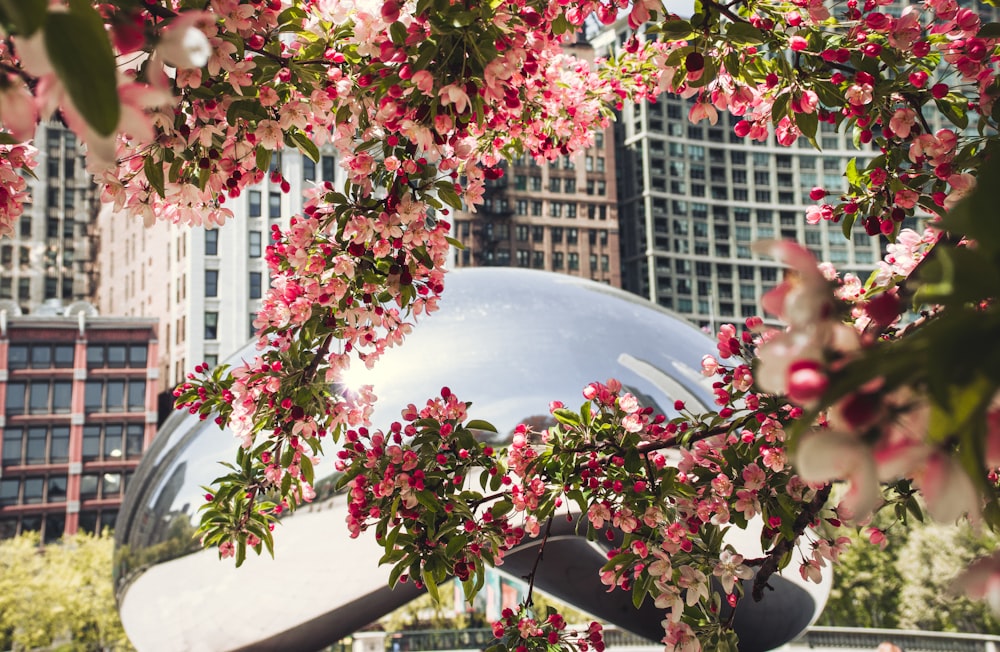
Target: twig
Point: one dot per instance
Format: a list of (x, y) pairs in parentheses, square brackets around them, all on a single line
[(769, 564), (538, 558)]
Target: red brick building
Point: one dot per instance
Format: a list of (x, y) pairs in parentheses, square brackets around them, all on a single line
[(77, 411)]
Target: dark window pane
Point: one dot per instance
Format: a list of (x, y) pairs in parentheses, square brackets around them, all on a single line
[(211, 242), (64, 355), (17, 356), (211, 282), (57, 489), (116, 355), (93, 395), (59, 448), (108, 518), (38, 403), (62, 394), (95, 356), (41, 356), (133, 443), (33, 488), (137, 355), (31, 523), (91, 443), (8, 491), (211, 325), (37, 437), (15, 398), (136, 395), (115, 396), (8, 527), (88, 489), (12, 445), (55, 524), (88, 522), (112, 442), (255, 283)]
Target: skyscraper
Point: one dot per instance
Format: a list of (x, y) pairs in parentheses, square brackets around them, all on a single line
[(559, 216), (204, 285), (48, 255), (693, 197)]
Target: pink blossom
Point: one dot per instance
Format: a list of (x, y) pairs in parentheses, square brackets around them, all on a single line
[(981, 581)]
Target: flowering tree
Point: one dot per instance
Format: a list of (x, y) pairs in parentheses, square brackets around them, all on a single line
[(887, 383)]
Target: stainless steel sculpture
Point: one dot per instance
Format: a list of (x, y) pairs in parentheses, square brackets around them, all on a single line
[(507, 340)]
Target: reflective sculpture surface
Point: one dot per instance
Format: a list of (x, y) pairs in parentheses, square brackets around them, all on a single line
[(508, 340)]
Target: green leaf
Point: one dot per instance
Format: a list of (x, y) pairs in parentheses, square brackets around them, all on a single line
[(808, 123), (154, 174), (479, 424), (744, 34), (397, 31), (263, 158), (568, 417), (954, 111), (852, 174), (81, 55), (305, 145), (676, 30), (432, 587), (446, 193), (23, 16)]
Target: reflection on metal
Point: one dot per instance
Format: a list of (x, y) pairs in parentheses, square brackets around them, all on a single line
[(508, 340)]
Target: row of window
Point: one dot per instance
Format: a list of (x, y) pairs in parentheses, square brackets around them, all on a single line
[(52, 525), (525, 182), (536, 259), (212, 283), (536, 233), (37, 490), (60, 356), (255, 243), (55, 396)]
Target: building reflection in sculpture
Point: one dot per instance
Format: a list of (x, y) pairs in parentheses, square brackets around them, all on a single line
[(508, 340)]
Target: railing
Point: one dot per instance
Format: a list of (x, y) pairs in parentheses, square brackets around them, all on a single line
[(816, 638), (909, 640)]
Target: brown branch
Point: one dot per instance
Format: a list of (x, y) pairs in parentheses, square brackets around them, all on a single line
[(538, 558), (769, 563)]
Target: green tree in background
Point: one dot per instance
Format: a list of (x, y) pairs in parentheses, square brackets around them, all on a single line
[(906, 584), (59, 596)]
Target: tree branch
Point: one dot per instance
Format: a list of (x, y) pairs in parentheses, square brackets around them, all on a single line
[(769, 564)]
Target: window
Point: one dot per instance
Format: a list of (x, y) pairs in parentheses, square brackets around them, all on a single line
[(537, 233), (111, 395), (557, 235), (574, 260), (211, 242), (211, 325), (255, 244), (572, 236), (555, 184), (536, 208), (255, 283), (522, 257), (274, 205), (557, 260), (593, 262), (116, 356), (211, 282), (254, 201), (538, 259), (49, 397), (308, 169), (521, 232), (328, 164), (36, 445), (605, 263)]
